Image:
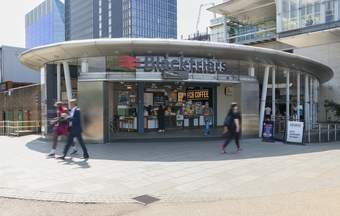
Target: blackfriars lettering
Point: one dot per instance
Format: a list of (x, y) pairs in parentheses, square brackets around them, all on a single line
[(190, 65)]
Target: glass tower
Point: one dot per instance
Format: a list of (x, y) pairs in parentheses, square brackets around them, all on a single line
[(87, 19), (45, 24), (150, 19)]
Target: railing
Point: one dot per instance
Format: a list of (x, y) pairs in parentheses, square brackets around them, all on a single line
[(316, 133), (323, 132), (254, 36), (19, 128)]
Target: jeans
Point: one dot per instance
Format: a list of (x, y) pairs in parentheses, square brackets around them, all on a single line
[(207, 127)]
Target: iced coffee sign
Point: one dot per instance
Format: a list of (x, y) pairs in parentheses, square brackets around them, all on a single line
[(295, 132), (198, 95)]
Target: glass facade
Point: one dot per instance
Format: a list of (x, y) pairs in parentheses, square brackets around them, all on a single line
[(45, 24), (254, 32), (150, 19), (297, 14), (87, 19), (235, 31), (79, 19), (217, 30)]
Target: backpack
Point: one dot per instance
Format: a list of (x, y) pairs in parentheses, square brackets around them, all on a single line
[(229, 121)]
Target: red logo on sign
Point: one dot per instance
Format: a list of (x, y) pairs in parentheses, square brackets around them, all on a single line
[(129, 62)]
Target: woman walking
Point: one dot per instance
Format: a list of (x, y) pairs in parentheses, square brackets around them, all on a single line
[(232, 127), (60, 127)]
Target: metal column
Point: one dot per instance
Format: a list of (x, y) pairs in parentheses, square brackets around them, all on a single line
[(298, 96), (58, 82), (306, 108), (287, 94), (274, 94), (68, 80), (263, 98), (311, 103), (44, 117), (140, 111)]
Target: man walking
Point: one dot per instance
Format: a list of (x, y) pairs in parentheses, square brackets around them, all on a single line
[(75, 130)]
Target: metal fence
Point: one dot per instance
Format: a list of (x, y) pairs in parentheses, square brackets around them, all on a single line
[(19, 128), (322, 132), (316, 133)]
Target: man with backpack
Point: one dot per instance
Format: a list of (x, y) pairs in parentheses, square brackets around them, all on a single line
[(232, 127)]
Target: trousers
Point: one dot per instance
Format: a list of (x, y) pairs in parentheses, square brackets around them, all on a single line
[(70, 139), (232, 134)]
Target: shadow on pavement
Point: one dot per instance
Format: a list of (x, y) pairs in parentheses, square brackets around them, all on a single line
[(83, 164), (186, 151)]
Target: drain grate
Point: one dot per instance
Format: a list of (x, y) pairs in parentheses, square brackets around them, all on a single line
[(146, 199)]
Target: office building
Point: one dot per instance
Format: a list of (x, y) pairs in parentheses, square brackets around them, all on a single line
[(307, 28), (88, 19), (45, 24), (12, 70)]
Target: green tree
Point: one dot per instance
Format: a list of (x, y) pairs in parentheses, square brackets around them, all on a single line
[(332, 107)]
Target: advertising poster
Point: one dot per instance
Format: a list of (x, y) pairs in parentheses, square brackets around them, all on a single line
[(268, 131), (295, 132)]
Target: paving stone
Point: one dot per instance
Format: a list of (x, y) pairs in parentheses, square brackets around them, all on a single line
[(172, 172)]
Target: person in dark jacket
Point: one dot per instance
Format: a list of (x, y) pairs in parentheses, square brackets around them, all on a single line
[(232, 127), (75, 130)]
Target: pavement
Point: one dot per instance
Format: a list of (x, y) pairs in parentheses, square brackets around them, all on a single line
[(173, 172)]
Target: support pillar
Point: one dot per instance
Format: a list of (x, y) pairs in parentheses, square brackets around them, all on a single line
[(58, 82), (263, 98), (287, 94), (68, 81), (311, 102), (44, 117), (298, 96), (306, 108), (274, 94), (140, 111)]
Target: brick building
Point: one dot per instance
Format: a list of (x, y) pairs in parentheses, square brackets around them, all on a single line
[(21, 104)]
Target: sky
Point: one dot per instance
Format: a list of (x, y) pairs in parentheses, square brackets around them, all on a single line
[(12, 19)]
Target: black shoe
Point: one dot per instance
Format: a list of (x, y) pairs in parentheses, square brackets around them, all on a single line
[(86, 157), (61, 158), (74, 152)]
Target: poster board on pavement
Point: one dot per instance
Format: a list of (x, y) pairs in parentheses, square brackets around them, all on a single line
[(295, 132)]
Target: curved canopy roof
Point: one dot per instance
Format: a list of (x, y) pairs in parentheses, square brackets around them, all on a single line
[(39, 56)]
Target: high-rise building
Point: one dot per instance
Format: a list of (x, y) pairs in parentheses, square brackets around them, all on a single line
[(87, 19), (309, 28), (12, 70), (45, 24)]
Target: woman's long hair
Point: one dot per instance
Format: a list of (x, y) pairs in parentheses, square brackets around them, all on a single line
[(231, 110)]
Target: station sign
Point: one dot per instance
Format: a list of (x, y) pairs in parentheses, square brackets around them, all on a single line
[(174, 67), (183, 64)]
